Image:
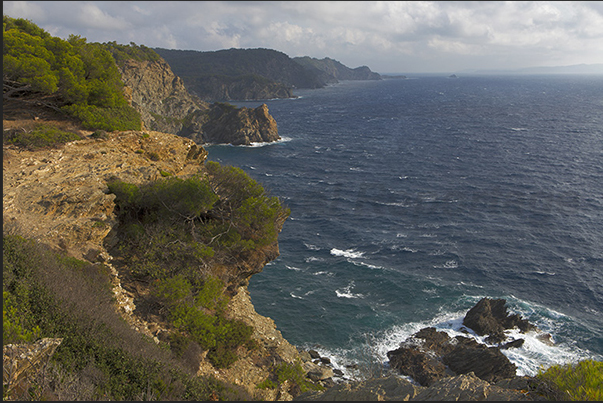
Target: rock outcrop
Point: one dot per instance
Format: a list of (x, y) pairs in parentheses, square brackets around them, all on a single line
[(429, 355), (165, 105), (490, 317), (240, 126), (466, 387)]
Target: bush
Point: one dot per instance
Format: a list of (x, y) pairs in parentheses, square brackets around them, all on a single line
[(580, 382), (294, 373), (42, 136), (94, 117), (100, 357)]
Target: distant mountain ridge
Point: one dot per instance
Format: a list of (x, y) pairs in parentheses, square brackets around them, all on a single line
[(255, 74)]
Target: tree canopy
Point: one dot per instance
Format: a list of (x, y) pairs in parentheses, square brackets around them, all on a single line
[(83, 76)]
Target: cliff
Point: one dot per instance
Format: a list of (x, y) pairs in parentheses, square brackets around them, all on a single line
[(253, 74), (331, 71), (59, 197), (239, 74), (165, 105)]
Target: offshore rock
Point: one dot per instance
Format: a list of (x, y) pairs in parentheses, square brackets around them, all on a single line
[(240, 126), (488, 363), (429, 355), (490, 317)]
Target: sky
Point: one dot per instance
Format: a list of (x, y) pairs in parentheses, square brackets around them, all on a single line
[(387, 36)]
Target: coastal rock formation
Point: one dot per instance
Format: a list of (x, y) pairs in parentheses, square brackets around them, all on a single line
[(469, 388), (490, 317), (239, 74), (159, 95), (240, 126), (466, 387), (165, 105), (59, 197), (429, 355)]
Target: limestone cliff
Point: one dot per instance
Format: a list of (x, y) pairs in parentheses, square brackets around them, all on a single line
[(60, 197), (165, 105)]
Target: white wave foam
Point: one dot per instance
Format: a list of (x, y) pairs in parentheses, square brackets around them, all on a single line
[(266, 143), (450, 264), (349, 253), (311, 247), (346, 292), (363, 264), (295, 296), (326, 273), (313, 259), (293, 268)]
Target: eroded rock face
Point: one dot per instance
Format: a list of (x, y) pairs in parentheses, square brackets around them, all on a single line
[(165, 105), (240, 126), (60, 197), (159, 95)]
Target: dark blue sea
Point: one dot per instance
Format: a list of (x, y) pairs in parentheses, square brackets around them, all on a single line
[(413, 199)]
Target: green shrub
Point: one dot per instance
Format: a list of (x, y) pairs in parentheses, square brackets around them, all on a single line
[(295, 374), (201, 316), (93, 117), (42, 136), (580, 382), (266, 384), (100, 357)]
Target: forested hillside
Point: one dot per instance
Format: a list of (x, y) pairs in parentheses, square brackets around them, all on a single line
[(244, 74)]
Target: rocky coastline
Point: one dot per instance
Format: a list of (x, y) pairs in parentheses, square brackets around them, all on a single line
[(59, 198)]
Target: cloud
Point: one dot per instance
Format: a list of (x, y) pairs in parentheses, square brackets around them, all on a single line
[(384, 35)]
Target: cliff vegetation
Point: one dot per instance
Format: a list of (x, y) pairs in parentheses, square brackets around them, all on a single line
[(73, 76)]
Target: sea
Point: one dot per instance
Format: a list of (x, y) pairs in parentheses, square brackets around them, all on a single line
[(412, 199)]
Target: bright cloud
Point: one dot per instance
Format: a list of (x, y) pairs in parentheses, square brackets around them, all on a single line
[(387, 36)]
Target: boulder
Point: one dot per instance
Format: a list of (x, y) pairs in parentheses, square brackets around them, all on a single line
[(420, 366), (490, 317), (487, 363)]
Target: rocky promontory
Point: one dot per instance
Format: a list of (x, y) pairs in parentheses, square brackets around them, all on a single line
[(165, 105)]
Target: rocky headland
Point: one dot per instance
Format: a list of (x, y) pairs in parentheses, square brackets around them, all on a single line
[(165, 105), (255, 74)]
